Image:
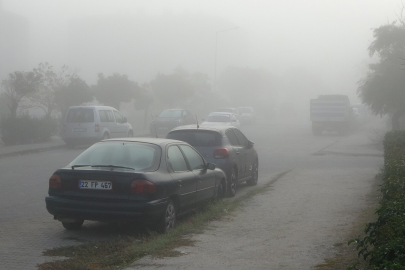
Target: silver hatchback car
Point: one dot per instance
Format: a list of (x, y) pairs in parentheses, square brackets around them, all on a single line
[(89, 124)]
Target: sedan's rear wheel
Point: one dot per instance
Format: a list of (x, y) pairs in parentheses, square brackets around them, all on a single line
[(255, 175), (168, 219), (73, 226), (233, 180)]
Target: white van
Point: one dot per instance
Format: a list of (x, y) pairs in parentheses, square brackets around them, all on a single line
[(89, 124)]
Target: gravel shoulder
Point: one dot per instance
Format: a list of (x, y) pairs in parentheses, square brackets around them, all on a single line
[(305, 217)]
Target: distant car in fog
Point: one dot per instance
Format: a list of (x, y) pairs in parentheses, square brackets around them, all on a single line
[(235, 111), (169, 119), (225, 146), (221, 118), (247, 115), (89, 124)]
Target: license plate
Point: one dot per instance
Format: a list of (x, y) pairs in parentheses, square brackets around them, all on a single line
[(90, 184), (79, 129)]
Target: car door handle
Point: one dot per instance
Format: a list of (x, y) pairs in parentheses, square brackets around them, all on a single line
[(237, 152)]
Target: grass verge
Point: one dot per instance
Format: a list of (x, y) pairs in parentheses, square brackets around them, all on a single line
[(123, 250)]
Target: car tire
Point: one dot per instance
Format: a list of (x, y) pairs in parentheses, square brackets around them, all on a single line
[(105, 136), (255, 175), (233, 181), (130, 134), (168, 219), (73, 226)]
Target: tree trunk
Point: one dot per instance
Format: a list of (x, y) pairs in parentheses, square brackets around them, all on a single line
[(395, 119)]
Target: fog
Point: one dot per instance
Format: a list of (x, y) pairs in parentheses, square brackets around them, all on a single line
[(312, 47)]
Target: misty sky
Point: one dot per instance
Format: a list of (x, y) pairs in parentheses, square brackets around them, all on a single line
[(327, 38)]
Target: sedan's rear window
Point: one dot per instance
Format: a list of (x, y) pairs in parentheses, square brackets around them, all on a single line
[(138, 156), (196, 137), (80, 115)]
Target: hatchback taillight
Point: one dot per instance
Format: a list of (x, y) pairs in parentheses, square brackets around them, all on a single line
[(97, 128), (220, 153), (142, 186), (55, 181)]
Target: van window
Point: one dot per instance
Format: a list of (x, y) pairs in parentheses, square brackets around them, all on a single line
[(106, 116), (80, 115), (118, 117)]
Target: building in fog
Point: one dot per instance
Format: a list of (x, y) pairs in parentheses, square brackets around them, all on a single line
[(14, 42)]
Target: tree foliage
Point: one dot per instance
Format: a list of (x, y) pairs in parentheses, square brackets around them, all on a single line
[(383, 88), (173, 89), (74, 93), (114, 89), (51, 82), (17, 86)]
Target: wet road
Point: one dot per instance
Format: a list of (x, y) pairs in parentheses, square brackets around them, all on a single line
[(26, 229)]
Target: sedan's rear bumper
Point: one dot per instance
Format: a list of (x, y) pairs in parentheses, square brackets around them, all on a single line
[(105, 211)]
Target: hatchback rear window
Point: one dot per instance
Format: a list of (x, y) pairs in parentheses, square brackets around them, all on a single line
[(80, 115), (196, 137)]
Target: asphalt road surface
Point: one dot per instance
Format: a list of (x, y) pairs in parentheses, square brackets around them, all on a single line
[(295, 225)]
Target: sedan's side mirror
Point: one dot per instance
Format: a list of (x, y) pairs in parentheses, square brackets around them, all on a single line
[(210, 166), (125, 120), (250, 144)]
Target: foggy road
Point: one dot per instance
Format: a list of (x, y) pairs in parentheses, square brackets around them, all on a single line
[(286, 227)]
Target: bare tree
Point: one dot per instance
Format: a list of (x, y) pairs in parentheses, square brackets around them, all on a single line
[(51, 82), (17, 86)]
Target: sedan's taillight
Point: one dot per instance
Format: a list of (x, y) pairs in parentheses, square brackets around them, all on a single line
[(55, 181), (221, 153), (142, 186)]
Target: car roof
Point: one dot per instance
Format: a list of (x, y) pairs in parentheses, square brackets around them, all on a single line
[(157, 141), (95, 107), (220, 113), (217, 128)]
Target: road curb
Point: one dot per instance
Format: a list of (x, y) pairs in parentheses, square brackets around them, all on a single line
[(31, 151), (47, 148)]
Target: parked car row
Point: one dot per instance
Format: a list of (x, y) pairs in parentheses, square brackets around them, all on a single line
[(152, 180)]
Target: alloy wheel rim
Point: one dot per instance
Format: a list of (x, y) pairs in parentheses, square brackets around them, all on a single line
[(233, 184), (170, 216)]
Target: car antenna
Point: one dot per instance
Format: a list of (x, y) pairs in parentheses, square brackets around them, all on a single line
[(154, 124), (196, 118)]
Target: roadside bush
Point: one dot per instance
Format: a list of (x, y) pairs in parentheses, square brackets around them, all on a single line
[(383, 247), (26, 129)]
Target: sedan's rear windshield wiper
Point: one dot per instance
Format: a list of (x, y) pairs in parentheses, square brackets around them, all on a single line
[(113, 166), (108, 166)]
